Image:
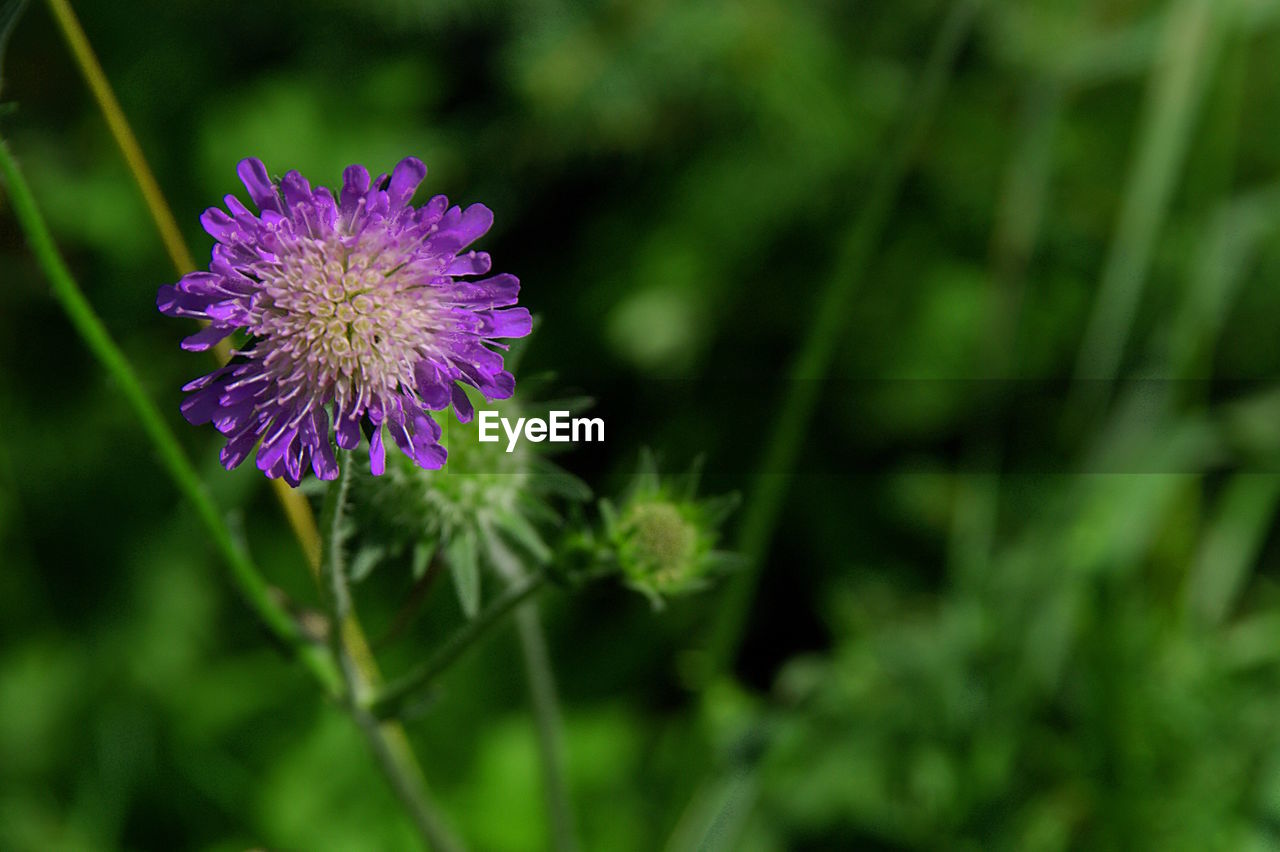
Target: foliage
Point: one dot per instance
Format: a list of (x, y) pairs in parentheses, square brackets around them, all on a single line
[(1021, 593)]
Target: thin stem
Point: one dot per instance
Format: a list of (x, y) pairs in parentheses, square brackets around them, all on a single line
[(760, 515), (390, 701), (333, 562), (546, 714), (251, 585), (717, 814), (395, 758), (386, 741), (123, 134)]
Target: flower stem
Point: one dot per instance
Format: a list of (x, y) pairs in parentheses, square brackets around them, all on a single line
[(546, 714), (813, 362), (244, 574), (386, 740), (391, 700)]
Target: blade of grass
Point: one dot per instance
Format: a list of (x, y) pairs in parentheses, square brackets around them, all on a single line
[(1230, 546), (1023, 202), (1190, 45), (814, 359), (1233, 238), (716, 816)]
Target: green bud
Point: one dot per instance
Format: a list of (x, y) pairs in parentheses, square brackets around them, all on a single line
[(663, 539), (658, 547)]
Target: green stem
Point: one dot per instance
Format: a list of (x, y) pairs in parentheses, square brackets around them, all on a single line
[(814, 359), (333, 565), (391, 750), (390, 701), (251, 585), (546, 714), (386, 741)]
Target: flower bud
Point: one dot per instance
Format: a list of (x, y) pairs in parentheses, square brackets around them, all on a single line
[(663, 539)]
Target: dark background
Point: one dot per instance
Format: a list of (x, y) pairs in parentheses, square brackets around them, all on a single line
[(989, 618)]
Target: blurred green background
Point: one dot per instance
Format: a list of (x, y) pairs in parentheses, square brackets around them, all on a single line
[(1074, 646)]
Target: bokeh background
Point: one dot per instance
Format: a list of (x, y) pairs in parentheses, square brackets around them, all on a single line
[(1037, 614)]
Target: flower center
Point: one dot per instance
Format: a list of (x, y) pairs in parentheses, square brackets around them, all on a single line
[(664, 541), (341, 321)]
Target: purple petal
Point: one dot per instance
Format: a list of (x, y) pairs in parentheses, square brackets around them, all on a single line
[(295, 452), (239, 212), (200, 406), (461, 405), (460, 228), (377, 455), (347, 427), (263, 192), (471, 263), (432, 211), (275, 444), (192, 295), (432, 386), (230, 419), (315, 429), (355, 185), (167, 299), (400, 433), (218, 224), (405, 178), (206, 337), (296, 189), (230, 312), (500, 386), (326, 208), (238, 449), (495, 292), (512, 322)]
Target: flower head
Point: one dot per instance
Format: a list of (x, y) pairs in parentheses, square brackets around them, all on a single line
[(360, 313), (663, 537)]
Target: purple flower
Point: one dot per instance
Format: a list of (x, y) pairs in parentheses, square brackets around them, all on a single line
[(360, 314)]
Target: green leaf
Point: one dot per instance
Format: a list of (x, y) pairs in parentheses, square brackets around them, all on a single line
[(422, 553), (716, 510), (550, 478), (464, 566), (1229, 549), (521, 532), (609, 514), (365, 560)]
